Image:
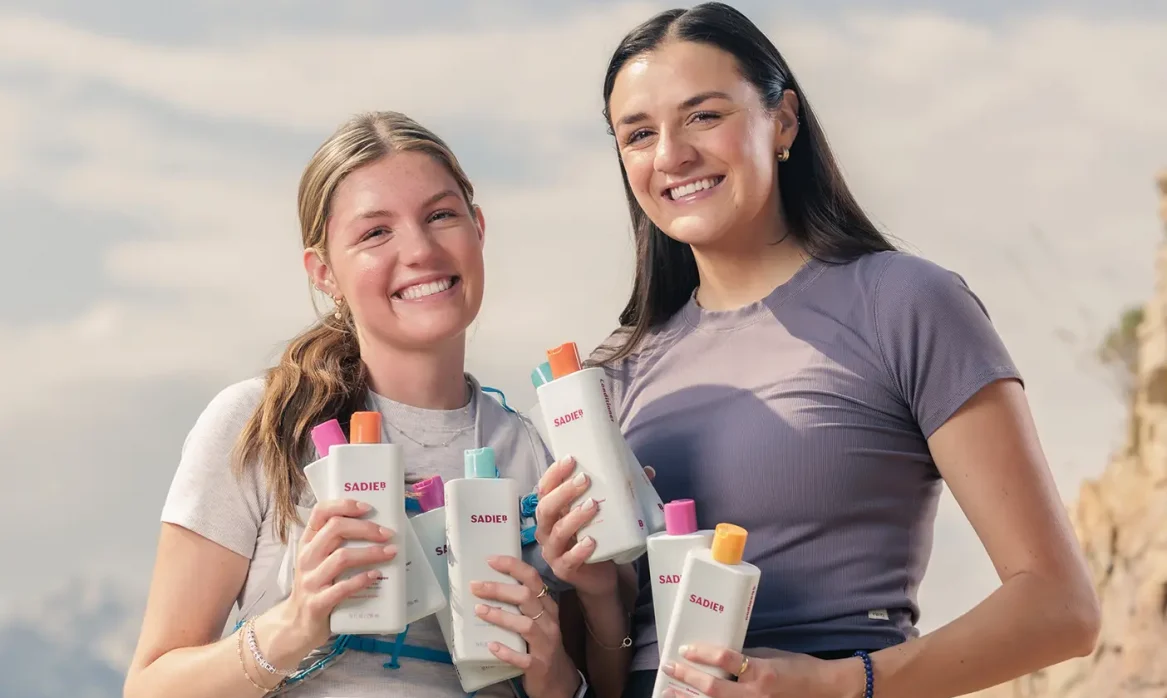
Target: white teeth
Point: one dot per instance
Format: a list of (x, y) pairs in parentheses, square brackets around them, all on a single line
[(691, 187), (423, 290)]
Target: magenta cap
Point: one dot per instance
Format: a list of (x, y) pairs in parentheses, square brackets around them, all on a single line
[(431, 494), (680, 517), (327, 435)]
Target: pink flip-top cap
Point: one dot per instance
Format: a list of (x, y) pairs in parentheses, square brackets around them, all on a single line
[(431, 494), (327, 435), (680, 517)]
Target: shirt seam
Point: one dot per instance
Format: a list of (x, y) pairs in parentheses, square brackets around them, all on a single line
[(762, 311)]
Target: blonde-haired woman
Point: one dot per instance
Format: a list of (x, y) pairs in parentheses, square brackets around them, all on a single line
[(392, 234)]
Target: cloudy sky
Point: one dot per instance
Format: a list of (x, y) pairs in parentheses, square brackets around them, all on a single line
[(149, 155)]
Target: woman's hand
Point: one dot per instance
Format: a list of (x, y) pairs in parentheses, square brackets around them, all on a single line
[(767, 674), (547, 670), (321, 559), (558, 522)]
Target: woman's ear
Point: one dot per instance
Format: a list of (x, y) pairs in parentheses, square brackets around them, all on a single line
[(319, 272), (480, 222), (786, 120)]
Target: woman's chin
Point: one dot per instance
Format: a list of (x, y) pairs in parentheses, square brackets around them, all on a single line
[(696, 232), (426, 332)]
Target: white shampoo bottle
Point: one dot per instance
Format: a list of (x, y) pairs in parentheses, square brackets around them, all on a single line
[(431, 531), (648, 502), (666, 558), (579, 422), (425, 595), (482, 520), (373, 472), (713, 604)]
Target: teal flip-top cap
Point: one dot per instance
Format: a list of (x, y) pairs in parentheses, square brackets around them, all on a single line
[(541, 374), (479, 463)]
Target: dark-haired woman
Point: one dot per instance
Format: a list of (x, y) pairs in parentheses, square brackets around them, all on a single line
[(781, 363)]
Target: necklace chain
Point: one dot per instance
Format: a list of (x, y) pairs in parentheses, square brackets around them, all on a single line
[(424, 444), (385, 424)]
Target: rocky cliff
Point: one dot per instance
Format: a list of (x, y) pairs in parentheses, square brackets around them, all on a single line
[(1121, 520)]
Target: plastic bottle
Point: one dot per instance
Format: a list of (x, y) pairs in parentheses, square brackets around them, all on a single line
[(713, 605), (667, 551), (482, 520)]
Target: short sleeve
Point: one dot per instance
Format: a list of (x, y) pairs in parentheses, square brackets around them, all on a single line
[(206, 495), (936, 338)]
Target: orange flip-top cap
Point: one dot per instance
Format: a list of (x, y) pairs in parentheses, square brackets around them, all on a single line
[(564, 360), (365, 428)]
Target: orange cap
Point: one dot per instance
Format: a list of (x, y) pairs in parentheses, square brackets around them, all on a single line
[(729, 542), (564, 360), (365, 428)]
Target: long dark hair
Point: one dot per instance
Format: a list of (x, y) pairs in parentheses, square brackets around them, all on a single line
[(823, 216)]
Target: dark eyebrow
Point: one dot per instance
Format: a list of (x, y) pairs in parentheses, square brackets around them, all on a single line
[(687, 104), (381, 213)]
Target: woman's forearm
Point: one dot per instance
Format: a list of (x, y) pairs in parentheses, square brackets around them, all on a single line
[(216, 670), (608, 620), (1026, 624)]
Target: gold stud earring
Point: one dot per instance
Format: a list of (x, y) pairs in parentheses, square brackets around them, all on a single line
[(784, 155)]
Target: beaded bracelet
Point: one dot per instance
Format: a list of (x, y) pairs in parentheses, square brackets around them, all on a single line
[(869, 690), (253, 645), (243, 666)]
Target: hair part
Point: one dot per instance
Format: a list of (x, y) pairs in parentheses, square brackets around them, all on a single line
[(321, 375), (823, 215)]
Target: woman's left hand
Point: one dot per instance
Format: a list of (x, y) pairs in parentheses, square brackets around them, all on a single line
[(774, 674), (547, 670)]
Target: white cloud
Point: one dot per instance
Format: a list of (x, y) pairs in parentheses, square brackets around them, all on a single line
[(960, 138)]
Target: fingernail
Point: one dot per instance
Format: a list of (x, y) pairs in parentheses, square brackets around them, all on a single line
[(363, 507), (492, 559), (667, 667), (580, 479), (481, 609), (589, 504), (683, 649), (373, 574), (390, 549), (588, 540), (385, 533), (569, 459)]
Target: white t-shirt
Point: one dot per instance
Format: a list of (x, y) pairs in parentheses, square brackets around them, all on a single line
[(236, 512)]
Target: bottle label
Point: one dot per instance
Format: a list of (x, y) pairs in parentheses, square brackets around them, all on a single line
[(607, 401), (706, 603), (488, 518), (364, 486), (568, 418)]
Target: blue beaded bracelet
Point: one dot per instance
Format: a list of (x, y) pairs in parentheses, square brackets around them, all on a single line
[(869, 691)]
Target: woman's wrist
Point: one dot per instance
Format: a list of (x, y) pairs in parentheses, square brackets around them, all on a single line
[(283, 636), (568, 686), (846, 677), (606, 620)]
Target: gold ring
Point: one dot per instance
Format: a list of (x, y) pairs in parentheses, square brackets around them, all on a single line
[(542, 593), (745, 665), (539, 614)]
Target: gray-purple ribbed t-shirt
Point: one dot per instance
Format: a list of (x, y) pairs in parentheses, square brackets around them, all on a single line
[(803, 417)]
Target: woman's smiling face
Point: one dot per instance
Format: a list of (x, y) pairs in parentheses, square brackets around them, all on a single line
[(697, 144)]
